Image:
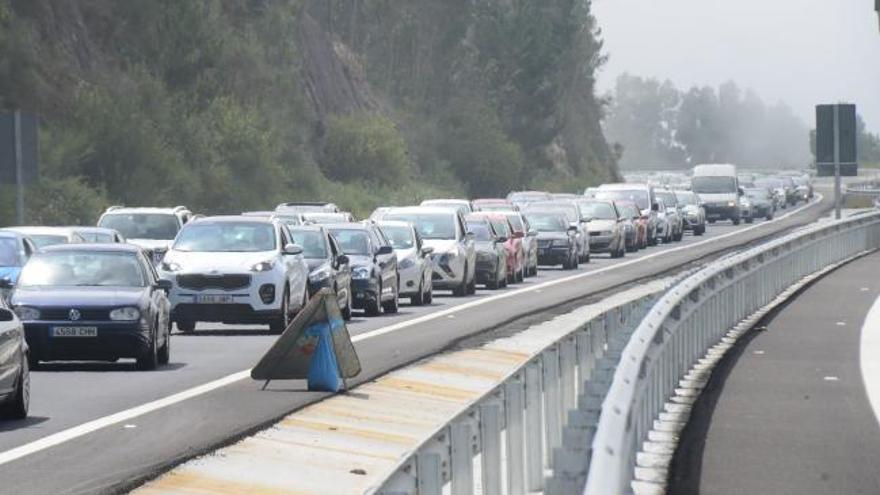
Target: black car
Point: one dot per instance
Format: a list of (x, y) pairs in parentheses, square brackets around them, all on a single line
[(557, 241), (374, 278), (328, 267), (15, 375), (94, 302)]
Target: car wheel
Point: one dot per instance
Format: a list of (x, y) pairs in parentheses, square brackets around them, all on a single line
[(165, 350), (461, 290), (429, 296), (472, 285), (769, 217), (186, 326), (33, 360), (520, 275), (419, 298), (279, 324), (148, 358), (346, 311), (18, 408), (393, 305), (736, 221), (699, 230)]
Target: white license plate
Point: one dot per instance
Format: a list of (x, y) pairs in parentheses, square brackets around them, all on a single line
[(75, 331), (214, 299)]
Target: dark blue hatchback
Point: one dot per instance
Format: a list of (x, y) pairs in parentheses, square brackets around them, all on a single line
[(94, 302)]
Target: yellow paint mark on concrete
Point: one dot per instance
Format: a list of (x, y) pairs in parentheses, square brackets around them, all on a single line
[(449, 367), (429, 389), (244, 450), (499, 354), (295, 422), (338, 409), (182, 482)]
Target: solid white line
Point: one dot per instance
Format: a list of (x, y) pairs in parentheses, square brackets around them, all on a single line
[(869, 357), (97, 424)]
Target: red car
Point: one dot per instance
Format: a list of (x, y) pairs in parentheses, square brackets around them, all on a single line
[(516, 260), (631, 210), (494, 204)]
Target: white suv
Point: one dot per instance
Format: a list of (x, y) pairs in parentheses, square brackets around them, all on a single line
[(454, 255), (235, 270), (153, 229)]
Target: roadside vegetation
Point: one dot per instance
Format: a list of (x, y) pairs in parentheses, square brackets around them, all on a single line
[(227, 106)]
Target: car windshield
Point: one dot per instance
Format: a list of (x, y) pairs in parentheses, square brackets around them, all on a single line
[(399, 236), (516, 221), (501, 227), (481, 231), (756, 193), (290, 221), (312, 243), (98, 237), (667, 197), (82, 269), (9, 252), (353, 241), (570, 211), (154, 226), (598, 211), (548, 221), (637, 196), (227, 237), (429, 225), (686, 198), (45, 240), (713, 184), (325, 217)]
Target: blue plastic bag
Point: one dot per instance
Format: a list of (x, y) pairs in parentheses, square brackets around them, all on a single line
[(323, 369)]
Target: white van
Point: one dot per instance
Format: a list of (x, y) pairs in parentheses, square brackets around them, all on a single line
[(718, 187)]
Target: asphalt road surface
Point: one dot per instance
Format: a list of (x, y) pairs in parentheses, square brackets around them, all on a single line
[(97, 427), (786, 412)]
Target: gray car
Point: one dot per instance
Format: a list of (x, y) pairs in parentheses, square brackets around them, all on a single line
[(491, 254), (693, 213), (606, 227), (414, 264), (573, 213), (14, 367), (673, 213), (557, 239)]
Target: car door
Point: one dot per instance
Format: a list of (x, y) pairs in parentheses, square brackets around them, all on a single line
[(295, 267), (341, 271), (468, 244), (159, 305), (387, 262), (11, 337)]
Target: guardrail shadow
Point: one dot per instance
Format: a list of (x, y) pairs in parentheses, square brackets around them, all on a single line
[(19, 424)]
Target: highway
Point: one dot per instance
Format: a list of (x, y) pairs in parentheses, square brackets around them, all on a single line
[(106, 427), (789, 409)]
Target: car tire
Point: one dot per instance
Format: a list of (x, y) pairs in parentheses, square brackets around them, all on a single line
[(148, 358), (186, 326), (699, 230), (279, 324), (769, 217), (750, 220), (18, 408), (419, 298), (33, 360), (346, 311), (393, 305), (472, 285), (736, 221), (520, 275), (679, 236), (165, 350), (372, 308), (462, 288)]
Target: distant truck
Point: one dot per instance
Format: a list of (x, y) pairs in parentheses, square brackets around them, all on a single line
[(718, 187)]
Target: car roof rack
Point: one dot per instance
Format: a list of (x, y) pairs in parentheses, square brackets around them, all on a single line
[(181, 208), (115, 207)]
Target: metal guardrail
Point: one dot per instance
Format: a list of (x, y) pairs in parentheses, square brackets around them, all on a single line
[(519, 429), (691, 318)]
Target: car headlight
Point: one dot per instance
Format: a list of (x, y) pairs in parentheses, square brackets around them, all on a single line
[(320, 274), (170, 266), (125, 314), (407, 263), (263, 266), (361, 273), (731, 203), (27, 313)]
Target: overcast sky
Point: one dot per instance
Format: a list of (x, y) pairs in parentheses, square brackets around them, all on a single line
[(802, 52)]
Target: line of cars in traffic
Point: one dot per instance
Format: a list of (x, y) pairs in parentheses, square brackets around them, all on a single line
[(115, 290)]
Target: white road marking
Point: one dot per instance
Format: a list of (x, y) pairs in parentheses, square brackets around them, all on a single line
[(100, 423), (759, 352), (865, 289), (841, 323), (869, 356), (830, 378)]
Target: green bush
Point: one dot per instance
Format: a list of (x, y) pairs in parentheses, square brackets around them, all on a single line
[(365, 147), (68, 201)]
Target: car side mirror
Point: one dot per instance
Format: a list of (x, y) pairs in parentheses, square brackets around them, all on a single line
[(572, 228), (740, 191), (384, 250), (6, 283), (469, 235), (518, 235), (533, 233), (6, 314), (501, 239), (427, 250), (342, 259), (655, 207), (292, 249), (164, 284)]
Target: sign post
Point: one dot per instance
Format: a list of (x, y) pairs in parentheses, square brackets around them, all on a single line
[(18, 155), (19, 170), (836, 146)]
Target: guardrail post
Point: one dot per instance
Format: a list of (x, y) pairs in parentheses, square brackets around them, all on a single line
[(567, 359), (584, 357), (534, 428), (462, 459), (552, 401), (490, 451), (430, 479), (514, 409)]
